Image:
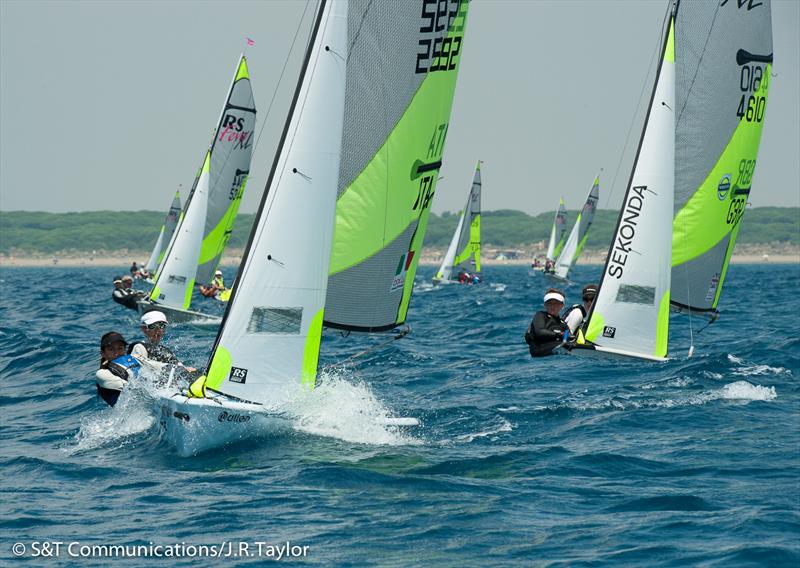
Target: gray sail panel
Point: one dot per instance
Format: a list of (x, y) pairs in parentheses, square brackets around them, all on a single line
[(374, 304), (696, 291), (381, 78)]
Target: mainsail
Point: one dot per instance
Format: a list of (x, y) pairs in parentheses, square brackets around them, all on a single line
[(723, 60), (324, 178), (580, 232), (165, 235), (225, 167), (630, 315), (558, 233), (464, 252)]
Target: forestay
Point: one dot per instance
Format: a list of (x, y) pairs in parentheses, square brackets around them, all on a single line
[(723, 59), (464, 252), (401, 75), (580, 232)]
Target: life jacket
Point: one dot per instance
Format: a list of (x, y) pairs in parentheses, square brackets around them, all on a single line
[(568, 311), (125, 367)]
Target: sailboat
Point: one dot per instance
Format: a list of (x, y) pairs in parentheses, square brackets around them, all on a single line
[(197, 245), (558, 235), (165, 235), (336, 238), (580, 232), (464, 253), (695, 160)]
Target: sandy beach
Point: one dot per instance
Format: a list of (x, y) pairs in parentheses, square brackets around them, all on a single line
[(777, 254)]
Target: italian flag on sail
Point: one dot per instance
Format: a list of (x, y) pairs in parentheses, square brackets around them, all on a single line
[(402, 267)]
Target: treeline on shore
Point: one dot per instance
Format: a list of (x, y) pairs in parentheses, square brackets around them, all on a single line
[(23, 232)]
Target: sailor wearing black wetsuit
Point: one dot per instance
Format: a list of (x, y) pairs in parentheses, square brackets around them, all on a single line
[(546, 331)]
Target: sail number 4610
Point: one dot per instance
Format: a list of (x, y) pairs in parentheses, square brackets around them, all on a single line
[(751, 107)]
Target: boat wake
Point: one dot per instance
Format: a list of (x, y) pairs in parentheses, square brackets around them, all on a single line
[(349, 411), (114, 428)]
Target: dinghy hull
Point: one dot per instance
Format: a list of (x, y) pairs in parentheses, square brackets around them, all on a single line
[(196, 425), (175, 315)]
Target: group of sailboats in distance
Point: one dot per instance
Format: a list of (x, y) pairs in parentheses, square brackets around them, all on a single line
[(563, 251)]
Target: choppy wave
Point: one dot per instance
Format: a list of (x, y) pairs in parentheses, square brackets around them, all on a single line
[(515, 461)]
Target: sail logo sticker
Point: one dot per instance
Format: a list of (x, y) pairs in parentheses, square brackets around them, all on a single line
[(609, 332), (224, 416), (724, 187), (627, 231), (712, 288), (238, 375), (399, 279)]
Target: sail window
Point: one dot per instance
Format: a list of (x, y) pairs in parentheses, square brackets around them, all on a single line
[(636, 294), (275, 320), (176, 279)]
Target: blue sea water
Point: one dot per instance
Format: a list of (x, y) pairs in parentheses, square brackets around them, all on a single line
[(517, 462)]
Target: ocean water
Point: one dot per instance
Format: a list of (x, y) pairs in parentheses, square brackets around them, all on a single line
[(516, 462)]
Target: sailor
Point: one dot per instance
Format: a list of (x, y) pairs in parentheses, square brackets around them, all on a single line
[(123, 293), (548, 266), (576, 314), (116, 368), (152, 352), (547, 328), (217, 285), (134, 269)]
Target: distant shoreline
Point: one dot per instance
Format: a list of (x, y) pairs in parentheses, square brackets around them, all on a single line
[(748, 255)]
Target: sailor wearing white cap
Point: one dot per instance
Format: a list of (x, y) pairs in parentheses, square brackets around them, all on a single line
[(153, 326), (217, 285), (546, 331)]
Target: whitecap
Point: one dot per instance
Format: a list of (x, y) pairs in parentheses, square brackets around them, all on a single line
[(349, 411), (742, 390)]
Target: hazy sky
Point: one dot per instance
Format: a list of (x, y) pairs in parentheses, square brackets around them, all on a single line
[(111, 105)]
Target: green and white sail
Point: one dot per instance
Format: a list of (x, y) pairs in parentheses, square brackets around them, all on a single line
[(558, 233), (165, 235), (630, 315), (401, 77), (176, 276), (231, 151), (226, 166), (464, 252), (580, 232), (269, 340), (355, 107), (723, 56)]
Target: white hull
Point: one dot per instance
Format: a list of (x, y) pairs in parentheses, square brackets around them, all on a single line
[(598, 352), (195, 425), (175, 315)]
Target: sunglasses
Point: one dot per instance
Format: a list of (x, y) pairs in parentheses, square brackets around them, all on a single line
[(157, 325)]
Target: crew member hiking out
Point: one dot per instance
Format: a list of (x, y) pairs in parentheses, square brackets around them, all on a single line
[(546, 331)]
